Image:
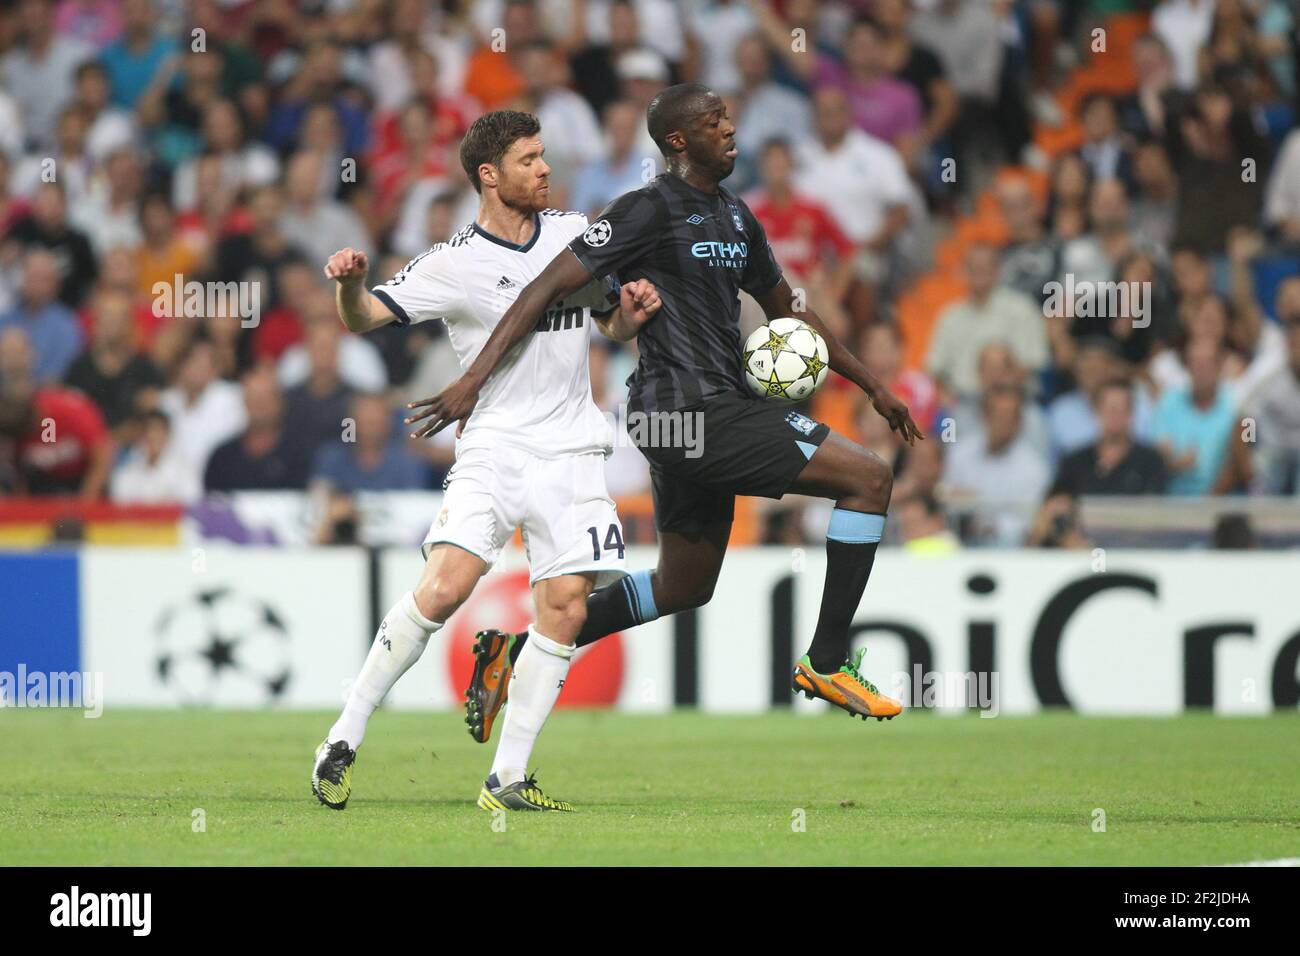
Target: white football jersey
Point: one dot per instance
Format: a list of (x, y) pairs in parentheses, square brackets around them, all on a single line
[(539, 397)]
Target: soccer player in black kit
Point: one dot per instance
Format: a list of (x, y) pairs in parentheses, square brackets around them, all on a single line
[(699, 244)]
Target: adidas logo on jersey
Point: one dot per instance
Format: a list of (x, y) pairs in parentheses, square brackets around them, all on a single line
[(505, 283)]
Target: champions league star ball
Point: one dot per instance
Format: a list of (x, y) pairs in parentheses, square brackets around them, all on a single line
[(785, 361)]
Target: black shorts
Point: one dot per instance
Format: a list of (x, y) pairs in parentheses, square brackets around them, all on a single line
[(728, 445)]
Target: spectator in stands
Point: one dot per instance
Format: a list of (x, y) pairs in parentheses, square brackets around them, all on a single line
[(1183, 26), (1194, 422), (1071, 416), (54, 437), (68, 163), (1260, 343), (360, 365), (1273, 409), (1142, 112), (718, 27), (1210, 137), (266, 456), (112, 371), (49, 325), (859, 179), (318, 225), (884, 107), (919, 470), (316, 410), (257, 255), (171, 109), (595, 60), (882, 353), (1282, 201), (621, 169), (96, 23), (967, 39), (493, 75), (1032, 257), (1155, 204), (1104, 148), (1057, 524), (924, 527), (47, 227), (989, 313), (319, 79), (134, 60), (39, 71), (165, 252), (997, 367), (569, 125), (392, 61), (999, 465), (110, 127), (1114, 464), (1095, 256), (916, 65), (243, 164), (110, 215), (642, 73), (154, 471), (204, 411), (1071, 185), (805, 238), (372, 458), (1193, 278), (765, 109)]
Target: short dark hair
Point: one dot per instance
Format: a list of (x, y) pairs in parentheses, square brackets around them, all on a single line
[(776, 142), (671, 109), (1113, 385), (491, 135), (154, 415), (865, 21)]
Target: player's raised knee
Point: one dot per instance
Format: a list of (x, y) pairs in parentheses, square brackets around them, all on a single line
[(877, 478)]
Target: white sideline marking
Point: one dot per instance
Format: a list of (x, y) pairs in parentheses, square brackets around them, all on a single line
[(1285, 861)]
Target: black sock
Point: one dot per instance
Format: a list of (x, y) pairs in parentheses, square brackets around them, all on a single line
[(625, 603), (848, 565)]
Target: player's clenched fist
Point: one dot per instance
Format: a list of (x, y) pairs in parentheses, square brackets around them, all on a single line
[(639, 301), (347, 265)]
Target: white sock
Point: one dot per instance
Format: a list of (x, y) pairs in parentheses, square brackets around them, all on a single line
[(535, 685), (401, 639)]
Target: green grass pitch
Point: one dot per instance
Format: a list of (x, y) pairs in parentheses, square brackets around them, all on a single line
[(684, 788)]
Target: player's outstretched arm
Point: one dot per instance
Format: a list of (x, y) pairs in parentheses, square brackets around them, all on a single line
[(359, 310), (779, 303), (563, 276), (637, 304)]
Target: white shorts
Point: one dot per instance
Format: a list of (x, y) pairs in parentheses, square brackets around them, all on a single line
[(569, 522)]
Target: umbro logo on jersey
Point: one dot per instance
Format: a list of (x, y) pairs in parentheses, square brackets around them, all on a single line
[(695, 220), (506, 283)]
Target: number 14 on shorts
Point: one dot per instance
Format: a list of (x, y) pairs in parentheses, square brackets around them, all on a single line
[(613, 542)]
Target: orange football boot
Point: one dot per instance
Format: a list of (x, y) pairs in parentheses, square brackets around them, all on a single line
[(846, 689), (490, 685)]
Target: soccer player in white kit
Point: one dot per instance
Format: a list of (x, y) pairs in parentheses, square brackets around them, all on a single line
[(531, 455)]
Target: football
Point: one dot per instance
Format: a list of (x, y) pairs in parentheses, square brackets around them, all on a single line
[(785, 361)]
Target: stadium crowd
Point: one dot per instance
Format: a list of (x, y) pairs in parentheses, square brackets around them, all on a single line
[(1067, 234)]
